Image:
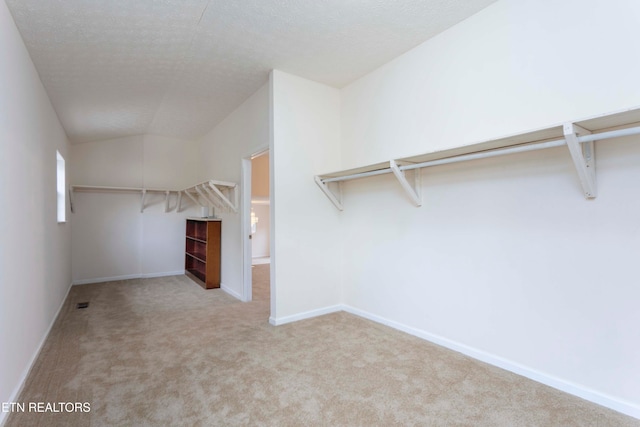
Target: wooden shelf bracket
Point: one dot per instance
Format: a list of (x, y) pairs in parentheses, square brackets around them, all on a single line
[(219, 194), (218, 187), (336, 199), (166, 201), (583, 156), (71, 199), (144, 194), (202, 193), (414, 191), (189, 195), (179, 202), (213, 198)]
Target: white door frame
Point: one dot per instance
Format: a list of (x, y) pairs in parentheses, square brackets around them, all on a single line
[(245, 226), (245, 229)]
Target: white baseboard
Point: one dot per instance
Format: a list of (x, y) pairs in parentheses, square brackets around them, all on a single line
[(306, 315), (610, 402), (105, 279), (127, 277), (25, 373), (230, 291), (162, 274)]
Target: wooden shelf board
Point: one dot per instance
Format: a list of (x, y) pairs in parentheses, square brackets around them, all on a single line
[(197, 256), (362, 169), (196, 239), (603, 122), (101, 188)]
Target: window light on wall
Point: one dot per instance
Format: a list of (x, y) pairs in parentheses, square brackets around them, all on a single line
[(60, 175), (254, 222)]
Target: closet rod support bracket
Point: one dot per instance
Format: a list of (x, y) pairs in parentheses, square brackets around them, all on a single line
[(212, 185), (583, 156), (205, 197), (179, 202), (336, 199), (166, 201), (71, 199), (193, 199), (144, 195), (413, 191)]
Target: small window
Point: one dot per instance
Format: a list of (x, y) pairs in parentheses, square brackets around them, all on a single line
[(62, 193)]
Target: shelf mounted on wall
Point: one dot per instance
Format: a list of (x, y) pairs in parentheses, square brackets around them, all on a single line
[(218, 194), (105, 189), (221, 195), (578, 136)]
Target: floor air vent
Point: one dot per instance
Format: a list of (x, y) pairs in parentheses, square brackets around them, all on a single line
[(82, 305)]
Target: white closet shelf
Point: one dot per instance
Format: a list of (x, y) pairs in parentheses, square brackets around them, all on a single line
[(220, 194), (578, 136), (100, 188)]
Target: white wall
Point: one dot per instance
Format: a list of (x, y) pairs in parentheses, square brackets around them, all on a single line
[(243, 133), (305, 228), (505, 260), (35, 258), (111, 239), (515, 66)]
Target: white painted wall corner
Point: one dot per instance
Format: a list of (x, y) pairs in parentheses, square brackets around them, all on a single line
[(305, 315), (230, 291)]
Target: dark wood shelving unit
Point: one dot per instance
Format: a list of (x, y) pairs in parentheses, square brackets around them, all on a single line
[(202, 251)]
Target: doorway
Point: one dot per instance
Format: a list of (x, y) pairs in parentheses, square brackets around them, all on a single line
[(256, 227), (260, 210)]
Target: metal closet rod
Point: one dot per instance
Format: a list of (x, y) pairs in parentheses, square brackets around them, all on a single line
[(493, 153)]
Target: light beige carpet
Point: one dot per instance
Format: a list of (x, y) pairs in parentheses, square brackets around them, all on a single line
[(165, 352)]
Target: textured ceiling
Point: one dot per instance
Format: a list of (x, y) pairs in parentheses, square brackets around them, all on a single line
[(178, 67)]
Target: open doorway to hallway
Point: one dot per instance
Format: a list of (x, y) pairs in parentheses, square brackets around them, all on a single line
[(260, 227), (260, 210), (257, 227)]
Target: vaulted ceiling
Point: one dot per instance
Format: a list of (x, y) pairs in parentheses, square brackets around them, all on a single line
[(177, 67)]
